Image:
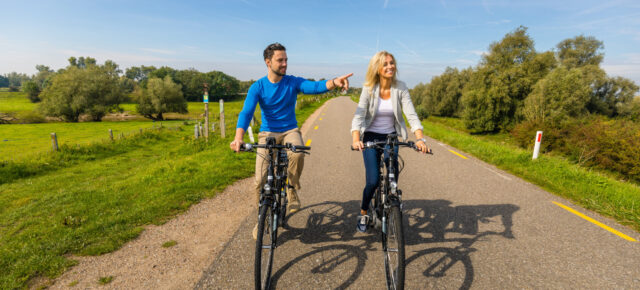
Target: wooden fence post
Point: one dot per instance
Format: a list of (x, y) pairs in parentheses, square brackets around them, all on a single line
[(222, 125), (54, 141), (111, 134), (195, 131)]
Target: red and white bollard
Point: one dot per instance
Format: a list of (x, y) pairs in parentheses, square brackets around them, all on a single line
[(536, 148)]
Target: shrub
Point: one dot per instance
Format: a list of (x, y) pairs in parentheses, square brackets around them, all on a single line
[(607, 144), (553, 136), (594, 142), (30, 117)]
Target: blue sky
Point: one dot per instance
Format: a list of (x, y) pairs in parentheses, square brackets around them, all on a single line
[(323, 38)]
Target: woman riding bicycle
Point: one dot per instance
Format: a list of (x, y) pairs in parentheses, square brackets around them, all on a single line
[(379, 113)]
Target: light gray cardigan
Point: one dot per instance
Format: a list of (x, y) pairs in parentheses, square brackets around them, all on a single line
[(400, 102)]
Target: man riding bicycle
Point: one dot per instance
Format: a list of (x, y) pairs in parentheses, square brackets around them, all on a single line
[(277, 94)]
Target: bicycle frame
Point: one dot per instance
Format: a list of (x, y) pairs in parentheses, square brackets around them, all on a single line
[(272, 206)]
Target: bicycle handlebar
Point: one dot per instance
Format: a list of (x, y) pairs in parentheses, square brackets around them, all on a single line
[(289, 146), (379, 144)]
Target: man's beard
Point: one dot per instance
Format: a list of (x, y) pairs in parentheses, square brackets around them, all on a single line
[(278, 73)]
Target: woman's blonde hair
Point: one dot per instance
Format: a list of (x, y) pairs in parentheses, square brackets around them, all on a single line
[(377, 61)]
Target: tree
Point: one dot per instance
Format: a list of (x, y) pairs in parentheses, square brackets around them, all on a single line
[(580, 51), (631, 110), (561, 95), (608, 94), (139, 74), (82, 62), (82, 89), (506, 75), (192, 82), (4, 81), (32, 90), (222, 84), (16, 79), (441, 97), (161, 96), (42, 76), (37, 83)]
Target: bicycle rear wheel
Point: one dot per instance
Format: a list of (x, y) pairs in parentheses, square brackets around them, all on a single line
[(393, 245), (265, 247)]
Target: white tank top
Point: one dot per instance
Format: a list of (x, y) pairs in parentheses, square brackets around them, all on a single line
[(384, 122)]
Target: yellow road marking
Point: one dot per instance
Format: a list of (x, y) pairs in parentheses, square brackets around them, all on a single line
[(456, 153), (628, 238), (308, 142), (315, 128)]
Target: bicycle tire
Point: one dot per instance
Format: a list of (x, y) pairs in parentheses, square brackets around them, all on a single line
[(283, 207), (394, 255), (264, 249)]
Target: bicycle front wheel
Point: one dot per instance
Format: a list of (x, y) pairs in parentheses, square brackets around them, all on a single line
[(265, 247), (394, 249)]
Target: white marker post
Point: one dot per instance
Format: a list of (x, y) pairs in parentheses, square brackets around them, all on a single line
[(250, 131), (536, 148)]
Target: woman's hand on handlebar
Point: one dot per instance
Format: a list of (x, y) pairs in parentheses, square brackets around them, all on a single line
[(357, 145), (422, 147)]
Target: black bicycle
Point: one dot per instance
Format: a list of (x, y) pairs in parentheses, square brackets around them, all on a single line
[(387, 209), (272, 211)]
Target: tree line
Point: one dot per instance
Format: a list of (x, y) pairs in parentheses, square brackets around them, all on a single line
[(586, 115), (515, 83), (86, 88)]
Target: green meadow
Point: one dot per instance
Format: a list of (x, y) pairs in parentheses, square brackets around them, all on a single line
[(91, 197), (14, 102), (19, 141)]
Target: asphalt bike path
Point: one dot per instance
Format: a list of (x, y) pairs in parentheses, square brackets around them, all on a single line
[(467, 225)]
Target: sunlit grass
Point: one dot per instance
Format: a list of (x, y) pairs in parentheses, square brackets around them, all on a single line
[(91, 199), (14, 102)]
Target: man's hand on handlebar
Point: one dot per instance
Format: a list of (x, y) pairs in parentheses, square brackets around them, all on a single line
[(236, 145)]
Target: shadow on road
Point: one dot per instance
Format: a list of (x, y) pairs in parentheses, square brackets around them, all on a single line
[(431, 227)]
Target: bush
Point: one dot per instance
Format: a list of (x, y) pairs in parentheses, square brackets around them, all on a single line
[(32, 90), (30, 117), (607, 144), (594, 142), (554, 136)]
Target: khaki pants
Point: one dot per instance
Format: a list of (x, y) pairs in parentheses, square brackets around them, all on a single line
[(296, 160)]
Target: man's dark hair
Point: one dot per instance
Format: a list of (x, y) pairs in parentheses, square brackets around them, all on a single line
[(268, 52)]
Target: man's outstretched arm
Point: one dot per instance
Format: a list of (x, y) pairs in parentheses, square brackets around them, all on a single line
[(339, 82)]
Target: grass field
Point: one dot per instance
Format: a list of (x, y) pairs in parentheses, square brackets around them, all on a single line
[(19, 141), (91, 199), (15, 102)]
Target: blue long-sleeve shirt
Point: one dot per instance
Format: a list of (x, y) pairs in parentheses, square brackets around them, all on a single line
[(277, 102)]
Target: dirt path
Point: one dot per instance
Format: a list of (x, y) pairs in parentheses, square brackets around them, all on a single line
[(200, 235)]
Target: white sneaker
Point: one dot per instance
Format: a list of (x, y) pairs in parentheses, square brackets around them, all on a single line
[(363, 221)]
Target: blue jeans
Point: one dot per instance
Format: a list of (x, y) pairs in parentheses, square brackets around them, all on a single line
[(371, 158)]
